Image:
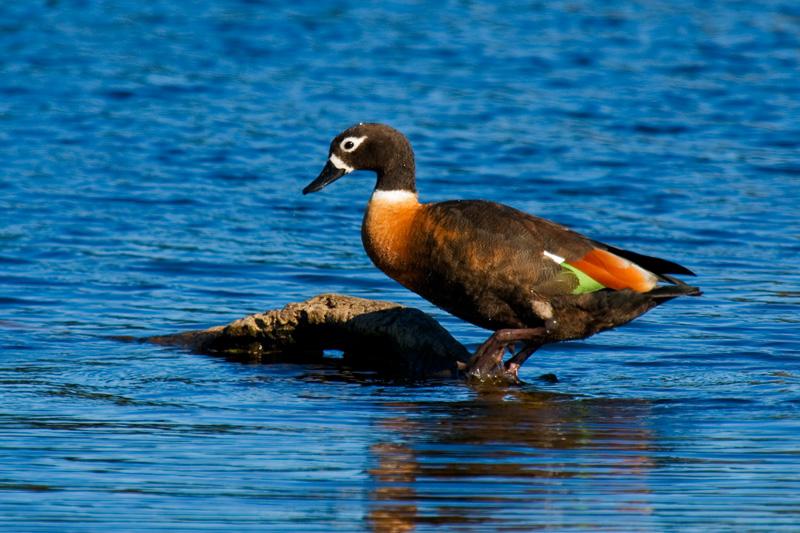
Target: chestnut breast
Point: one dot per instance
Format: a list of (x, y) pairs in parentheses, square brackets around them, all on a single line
[(389, 232)]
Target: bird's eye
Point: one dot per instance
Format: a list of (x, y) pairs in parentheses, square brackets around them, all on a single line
[(351, 143)]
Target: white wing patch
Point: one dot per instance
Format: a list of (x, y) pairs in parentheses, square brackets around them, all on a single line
[(556, 258)]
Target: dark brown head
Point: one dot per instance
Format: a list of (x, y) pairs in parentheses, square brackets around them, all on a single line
[(375, 147)]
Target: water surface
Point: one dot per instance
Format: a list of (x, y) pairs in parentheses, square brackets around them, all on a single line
[(152, 157)]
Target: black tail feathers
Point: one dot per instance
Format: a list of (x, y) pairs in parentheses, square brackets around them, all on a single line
[(673, 291)]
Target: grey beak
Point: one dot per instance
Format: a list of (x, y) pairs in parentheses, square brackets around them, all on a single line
[(328, 175)]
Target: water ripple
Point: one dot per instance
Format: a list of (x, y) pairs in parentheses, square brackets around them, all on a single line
[(154, 157)]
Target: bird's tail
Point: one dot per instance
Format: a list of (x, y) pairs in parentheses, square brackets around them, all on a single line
[(673, 291)]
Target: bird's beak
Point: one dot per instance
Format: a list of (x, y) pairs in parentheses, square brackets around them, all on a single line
[(328, 175)]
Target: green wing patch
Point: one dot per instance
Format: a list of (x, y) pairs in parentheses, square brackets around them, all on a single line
[(585, 282)]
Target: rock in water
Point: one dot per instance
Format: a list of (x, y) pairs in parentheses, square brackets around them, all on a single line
[(372, 334)]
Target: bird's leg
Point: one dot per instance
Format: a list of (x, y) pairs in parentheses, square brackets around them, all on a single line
[(487, 362), (513, 365)]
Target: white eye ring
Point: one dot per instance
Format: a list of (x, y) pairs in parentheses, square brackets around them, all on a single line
[(349, 144)]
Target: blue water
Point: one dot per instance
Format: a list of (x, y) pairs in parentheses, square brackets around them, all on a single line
[(151, 161)]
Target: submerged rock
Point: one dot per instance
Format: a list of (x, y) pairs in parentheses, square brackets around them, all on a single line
[(372, 334)]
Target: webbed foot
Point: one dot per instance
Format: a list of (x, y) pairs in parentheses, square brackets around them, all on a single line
[(487, 363)]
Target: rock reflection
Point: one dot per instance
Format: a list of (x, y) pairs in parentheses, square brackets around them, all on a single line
[(518, 459)]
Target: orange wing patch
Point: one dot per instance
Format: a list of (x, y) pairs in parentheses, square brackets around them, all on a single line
[(615, 272)]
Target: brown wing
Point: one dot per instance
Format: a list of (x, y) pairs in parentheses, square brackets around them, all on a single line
[(503, 245), (537, 242), (486, 263)]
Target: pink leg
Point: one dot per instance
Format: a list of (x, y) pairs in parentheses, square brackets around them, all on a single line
[(515, 363)]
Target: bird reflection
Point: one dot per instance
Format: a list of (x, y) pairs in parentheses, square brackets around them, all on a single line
[(518, 459), (394, 495)]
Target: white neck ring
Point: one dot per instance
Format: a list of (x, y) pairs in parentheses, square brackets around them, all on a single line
[(395, 196)]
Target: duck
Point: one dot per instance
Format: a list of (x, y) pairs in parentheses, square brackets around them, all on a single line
[(527, 279)]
